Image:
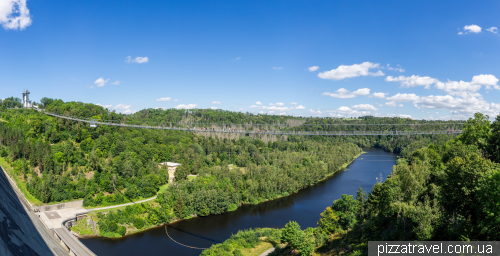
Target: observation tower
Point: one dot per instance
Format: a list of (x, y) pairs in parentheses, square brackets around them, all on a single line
[(26, 99)]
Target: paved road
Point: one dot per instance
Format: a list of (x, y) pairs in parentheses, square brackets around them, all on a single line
[(72, 242), (270, 250), (120, 205), (20, 231)]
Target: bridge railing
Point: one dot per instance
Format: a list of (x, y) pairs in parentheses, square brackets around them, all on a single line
[(266, 131)]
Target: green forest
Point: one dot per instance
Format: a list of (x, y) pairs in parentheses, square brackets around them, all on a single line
[(447, 192), (62, 160)]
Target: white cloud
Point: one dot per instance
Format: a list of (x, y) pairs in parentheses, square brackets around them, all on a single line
[(14, 14), (366, 107), (395, 69), (115, 82), (175, 100), (238, 58), (258, 103), (164, 99), (137, 60), (128, 111), (300, 107), (122, 106), (450, 86), (313, 68), (214, 108), (216, 102), (100, 82), (472, 28), (104, 106), (344, 71), (277, 68), (460, 33), (493, 30), (379, 95), (275, 108), (315, 112), (467, 103), (280, 104), (412, 81), (403, 97), (346, 111), (294, 103), (186, 106), (343, 93), (393, 104), (477, 82)]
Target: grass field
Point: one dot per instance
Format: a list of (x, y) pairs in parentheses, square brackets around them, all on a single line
[(257, 250), (82, 228)]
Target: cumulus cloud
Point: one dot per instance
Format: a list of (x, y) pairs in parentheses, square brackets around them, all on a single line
[(403, 97), (345, 71), (450, 86), (115, 82), (300, 107), (14, 14), (343, 93), (294, 103), (213, 108), (280, 104), (315, 112), (493, 30), (346, 111), (467, 103), (186, 106), (313, 68), (175, 100), (393, 104), (216, 102), (399, 69), (137, 59), (122, 106), (366, 107), (277, 68), (258, 103), (164, 99), (100, 82), (412, 81), (272, 108), (379, 95), (128, 111), (393, 115), (472, 28), (104, 106)]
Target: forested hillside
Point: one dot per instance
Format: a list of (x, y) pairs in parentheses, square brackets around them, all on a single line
[(60, 160), (449, 192)]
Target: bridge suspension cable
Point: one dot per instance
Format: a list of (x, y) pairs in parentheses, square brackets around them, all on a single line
[(95, 122)]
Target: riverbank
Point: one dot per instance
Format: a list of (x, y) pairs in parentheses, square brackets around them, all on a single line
[(304, 207), (131, 230)]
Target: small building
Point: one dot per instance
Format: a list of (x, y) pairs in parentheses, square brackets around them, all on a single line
[(171, 170)]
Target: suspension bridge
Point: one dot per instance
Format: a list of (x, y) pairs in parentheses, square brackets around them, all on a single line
[(94, 123)]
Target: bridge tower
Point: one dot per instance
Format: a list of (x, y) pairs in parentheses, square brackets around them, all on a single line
[(26, 99)]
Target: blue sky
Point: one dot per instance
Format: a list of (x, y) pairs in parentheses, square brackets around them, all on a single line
[(307, 58)]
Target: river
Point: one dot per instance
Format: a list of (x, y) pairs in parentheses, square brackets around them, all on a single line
[(303, 207)]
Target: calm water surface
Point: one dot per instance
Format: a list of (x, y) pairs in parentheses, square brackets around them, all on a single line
[(303, 207)]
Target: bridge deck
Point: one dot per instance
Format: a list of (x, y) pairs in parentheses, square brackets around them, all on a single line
[(268, 132)]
